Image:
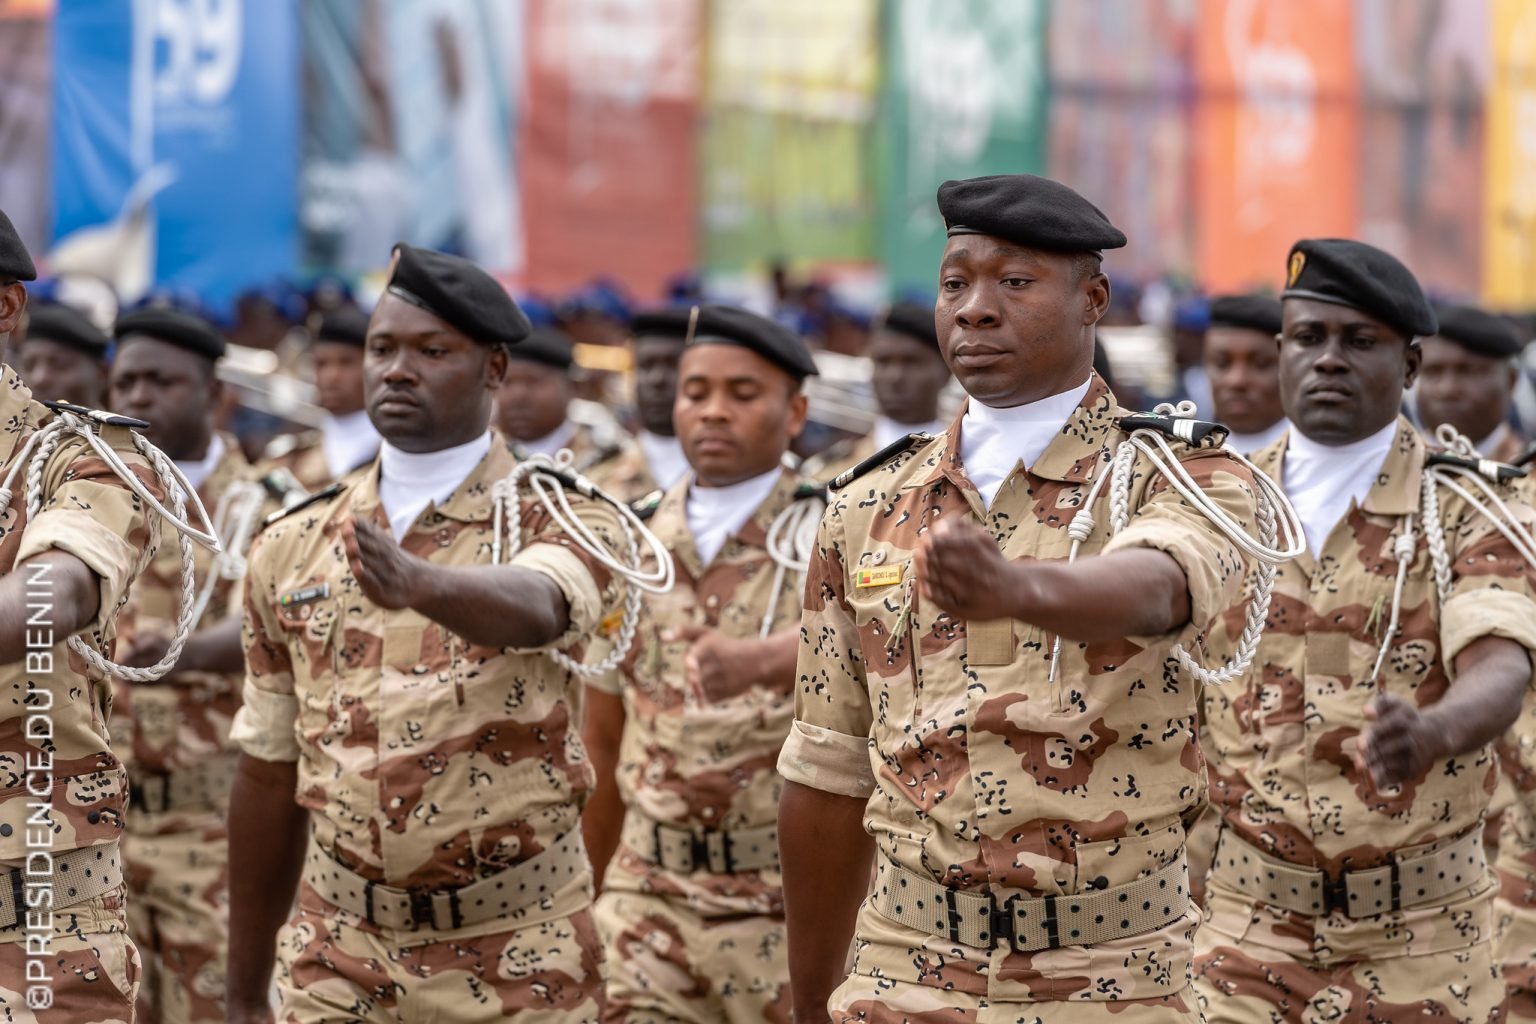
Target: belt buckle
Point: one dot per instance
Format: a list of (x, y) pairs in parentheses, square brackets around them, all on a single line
[(421, 909), (1336, 893), (1000, 922), (698, 850)]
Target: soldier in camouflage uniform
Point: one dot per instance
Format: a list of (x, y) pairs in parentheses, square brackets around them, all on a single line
[(1468, 380), (1030, 827), (1354, 768), (402, 703), (64, 356), (173, 734), (909, 375), (65, 953), (655, 461), (692, 913), (346, 439)]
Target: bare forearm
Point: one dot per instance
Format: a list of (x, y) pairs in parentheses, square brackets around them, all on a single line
[(493, 606), (267, 842), (1127, 593), (45, 599), (1492, 675), (215, 649), (602, 821), (825, 856)]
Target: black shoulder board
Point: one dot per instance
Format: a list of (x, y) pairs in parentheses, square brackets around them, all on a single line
[(328, 493), (646, 507), (898, 447), (806, 491), (106, 419), (1487, 468), (1197, 433)]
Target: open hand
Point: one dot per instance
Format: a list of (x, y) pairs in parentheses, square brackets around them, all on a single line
[(960, 569), (386, 575), (1398, 744)]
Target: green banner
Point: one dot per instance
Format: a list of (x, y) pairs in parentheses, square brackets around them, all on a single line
[(964, 95)]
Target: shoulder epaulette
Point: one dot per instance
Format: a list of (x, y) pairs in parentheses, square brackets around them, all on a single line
[(1196, 433), (644, 508), (101, 416), (898, 447), (1497, 472), (282, 486), (318, 496)]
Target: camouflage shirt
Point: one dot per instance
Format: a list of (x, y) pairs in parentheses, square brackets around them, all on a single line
[(705, 759), (90, 513), (179, 723), (979, 772), (301, 454), (626, 476), (425, 761), (1283, 775)]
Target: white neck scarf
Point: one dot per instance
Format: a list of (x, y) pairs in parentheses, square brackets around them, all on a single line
[(410, 481), (888, 431), (1322, 480), (348, 441), (716, 513), (550, 443), (1247, 444), (994, 441), (197, 471)]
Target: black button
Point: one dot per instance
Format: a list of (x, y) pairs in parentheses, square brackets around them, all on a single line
[(5, 830), (94, 817)]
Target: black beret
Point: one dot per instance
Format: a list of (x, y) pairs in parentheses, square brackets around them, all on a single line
[(15, 264), (1479, 332), (173, 327), (912, 320), (731, 325), (544, 345), (459, 293), (345, 325), (55, 322), (671, 322), (1360, 276), (1249, 312), (1037, 213)]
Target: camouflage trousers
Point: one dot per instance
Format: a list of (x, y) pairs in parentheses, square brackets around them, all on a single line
[(865, 1000), (1242, 981), (178, 915), (668, 963), (92, 968), (334, 967), (1514, 940)]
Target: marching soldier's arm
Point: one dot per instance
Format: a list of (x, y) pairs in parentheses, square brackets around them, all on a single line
[(267, 827), (602, 731), (52, 595), (824, 851), (215, 649)]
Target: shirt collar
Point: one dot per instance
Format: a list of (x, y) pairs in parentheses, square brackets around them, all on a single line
[(1395, 490)]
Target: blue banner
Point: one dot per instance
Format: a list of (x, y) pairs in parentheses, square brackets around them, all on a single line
[(175, 144)]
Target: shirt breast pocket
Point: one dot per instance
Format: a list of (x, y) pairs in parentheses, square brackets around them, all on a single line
[(887, 615)]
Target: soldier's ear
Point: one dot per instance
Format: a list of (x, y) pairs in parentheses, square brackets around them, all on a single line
[(496, 368), (1414, 357), (13, 299)]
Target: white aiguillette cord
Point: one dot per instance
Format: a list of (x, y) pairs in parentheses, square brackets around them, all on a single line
[(35, 455), (1273, 509), (544, 476)]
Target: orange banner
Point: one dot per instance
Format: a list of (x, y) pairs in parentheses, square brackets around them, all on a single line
[(1276, 134)]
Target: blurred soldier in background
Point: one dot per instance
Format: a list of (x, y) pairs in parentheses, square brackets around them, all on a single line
[(64, 356), (1468, 380), (1242, 364), (533, 406), (655, 461)]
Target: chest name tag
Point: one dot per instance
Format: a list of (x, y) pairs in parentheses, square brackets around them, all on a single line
[(304, 596), (884, 576)]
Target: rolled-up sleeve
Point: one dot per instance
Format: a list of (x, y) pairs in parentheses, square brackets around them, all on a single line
[(265, 727), (592, 591), (1493, 588), (828, 747)]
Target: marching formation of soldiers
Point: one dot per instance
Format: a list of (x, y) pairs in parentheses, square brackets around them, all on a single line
[(461, 707)]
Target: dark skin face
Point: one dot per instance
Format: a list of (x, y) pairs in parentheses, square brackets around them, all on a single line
[(532, 401), (1244, 369), (1016, 324), (1342, 372), (908, 376), (736, 413), (428, 386), (656, 359), (173, 390), (338, 377), (13, 299), (1469, 391), (61, 372)]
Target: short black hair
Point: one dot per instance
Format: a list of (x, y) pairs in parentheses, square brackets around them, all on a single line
[(1085, 264)]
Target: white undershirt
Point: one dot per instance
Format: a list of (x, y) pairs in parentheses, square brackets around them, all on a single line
[(347, 441), (663, 457), (551, 443), (410, 481), (716, 513), (994, 441), (1492, 441), (888, 431), (1247, 444), (198, 470), (1322, 481)]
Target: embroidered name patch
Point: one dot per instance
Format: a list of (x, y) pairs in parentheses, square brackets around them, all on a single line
[(883, 576)]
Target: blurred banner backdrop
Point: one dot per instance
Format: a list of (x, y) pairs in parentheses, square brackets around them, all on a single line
[(1509, 205), (175, 143), (25, 106)]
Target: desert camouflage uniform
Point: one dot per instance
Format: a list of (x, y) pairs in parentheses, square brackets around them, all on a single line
[(173, 737), (843, 455), (93, 966), (982, 775), (1284, 778), (303, 456), (425, 762), (626, 476), (701, 946), (592, 449)]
